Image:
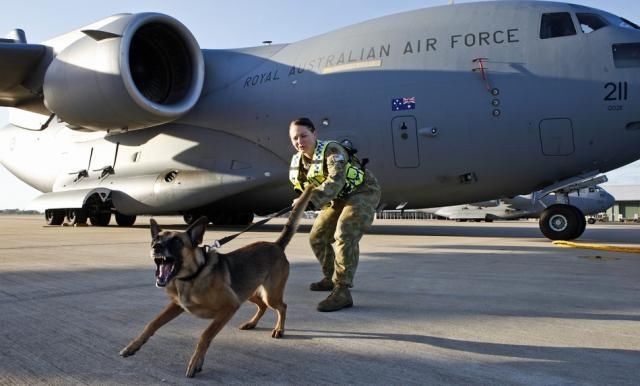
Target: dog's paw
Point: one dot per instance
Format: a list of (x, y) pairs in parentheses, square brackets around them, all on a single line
[(248, 326), (277, 333), (128, 351), (195, 366), (191, 372)]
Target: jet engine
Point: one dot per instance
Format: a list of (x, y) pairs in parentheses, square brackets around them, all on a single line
[(130, 72)]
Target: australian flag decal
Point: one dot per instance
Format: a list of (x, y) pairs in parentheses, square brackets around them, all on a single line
[(398, 104)]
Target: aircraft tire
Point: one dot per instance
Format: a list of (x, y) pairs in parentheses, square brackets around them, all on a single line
[(189, 218), (54, 216), (100, 219), (76, 216), (124, 220), (562, 222), (582, 222)]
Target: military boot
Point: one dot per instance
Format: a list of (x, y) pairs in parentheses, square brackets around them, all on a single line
[(340, 298), (322, 285)]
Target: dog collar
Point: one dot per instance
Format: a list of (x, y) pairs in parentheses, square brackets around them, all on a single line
[(200, 268)]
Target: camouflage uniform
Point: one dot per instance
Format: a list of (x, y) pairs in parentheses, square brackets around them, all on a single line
[(342, 219)]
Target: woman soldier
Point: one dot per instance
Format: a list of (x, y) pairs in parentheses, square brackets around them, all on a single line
[(347, 195)]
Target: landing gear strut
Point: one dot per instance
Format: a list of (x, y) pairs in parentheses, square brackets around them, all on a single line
[(562, 221)]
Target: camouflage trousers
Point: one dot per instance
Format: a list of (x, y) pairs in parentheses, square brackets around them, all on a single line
[(344, 223)]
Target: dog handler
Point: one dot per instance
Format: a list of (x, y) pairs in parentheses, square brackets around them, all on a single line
[(347, 195)]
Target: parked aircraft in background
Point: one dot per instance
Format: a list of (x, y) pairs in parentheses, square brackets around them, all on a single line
[(451, 104), (590, 201)]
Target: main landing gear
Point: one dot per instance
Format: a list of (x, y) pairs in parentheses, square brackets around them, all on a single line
[(80, 216), (562, 222)]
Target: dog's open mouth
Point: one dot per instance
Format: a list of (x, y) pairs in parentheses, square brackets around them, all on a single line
[(166, 268)]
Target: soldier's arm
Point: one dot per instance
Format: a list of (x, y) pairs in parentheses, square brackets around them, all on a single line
[(336, 160)]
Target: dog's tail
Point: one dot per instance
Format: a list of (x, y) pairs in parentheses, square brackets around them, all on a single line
[(291, 226)]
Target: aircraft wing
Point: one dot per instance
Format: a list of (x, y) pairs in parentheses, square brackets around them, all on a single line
[(18, 65)]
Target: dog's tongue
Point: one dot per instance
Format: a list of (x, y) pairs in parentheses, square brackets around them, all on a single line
[(164, 270)]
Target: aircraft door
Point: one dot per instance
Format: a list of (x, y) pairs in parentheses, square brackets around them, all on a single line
[(404, 137), (556, 136)]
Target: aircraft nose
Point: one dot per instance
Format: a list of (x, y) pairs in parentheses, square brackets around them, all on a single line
[(608, 199)]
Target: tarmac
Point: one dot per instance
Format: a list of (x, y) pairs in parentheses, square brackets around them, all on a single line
[(436, 302)]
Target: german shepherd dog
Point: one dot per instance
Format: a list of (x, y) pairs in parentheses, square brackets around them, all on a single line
[(213, 285)]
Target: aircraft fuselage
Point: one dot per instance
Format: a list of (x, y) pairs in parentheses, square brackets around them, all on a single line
[(451, 104)]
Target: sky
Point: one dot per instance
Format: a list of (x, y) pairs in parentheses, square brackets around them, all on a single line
[(218, 24)]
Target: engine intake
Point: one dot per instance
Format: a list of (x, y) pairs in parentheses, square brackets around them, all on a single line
[(132, 72)]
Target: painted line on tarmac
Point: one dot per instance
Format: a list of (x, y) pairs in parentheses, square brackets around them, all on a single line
[(601, 247)]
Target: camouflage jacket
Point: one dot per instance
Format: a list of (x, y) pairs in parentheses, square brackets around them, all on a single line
[(335, 165)]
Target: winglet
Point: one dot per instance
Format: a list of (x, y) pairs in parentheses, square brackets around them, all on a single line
[(16, 36)]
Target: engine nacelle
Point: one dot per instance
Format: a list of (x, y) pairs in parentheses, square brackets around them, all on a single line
[(133, 72)]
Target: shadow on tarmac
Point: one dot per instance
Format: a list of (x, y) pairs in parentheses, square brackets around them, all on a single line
[(564, 354)]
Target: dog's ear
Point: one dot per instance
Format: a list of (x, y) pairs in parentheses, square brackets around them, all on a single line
[(155, 229), (197, 229)]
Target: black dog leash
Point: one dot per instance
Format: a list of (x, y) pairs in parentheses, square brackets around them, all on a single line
[(218, 243)]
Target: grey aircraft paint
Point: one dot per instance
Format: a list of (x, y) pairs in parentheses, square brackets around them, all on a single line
[(452, 104)]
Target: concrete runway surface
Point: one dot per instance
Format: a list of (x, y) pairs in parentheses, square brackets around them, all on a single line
[(436, 302)]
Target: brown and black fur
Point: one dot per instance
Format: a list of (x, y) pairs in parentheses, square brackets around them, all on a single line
[(213, 285)]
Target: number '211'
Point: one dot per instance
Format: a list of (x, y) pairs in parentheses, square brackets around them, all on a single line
[(617, 91)]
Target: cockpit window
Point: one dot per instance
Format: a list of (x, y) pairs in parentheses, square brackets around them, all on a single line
[(590, 22), (626, 55), (555, 25), (624, 23)]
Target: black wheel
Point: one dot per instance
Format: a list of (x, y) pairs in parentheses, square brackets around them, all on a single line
[(76, 216), (124, 220), (562, 222), (101, 219), (582, 222), (189, 217), (591, 220), (54, 216)]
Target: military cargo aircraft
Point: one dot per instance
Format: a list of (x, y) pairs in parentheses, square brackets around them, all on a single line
[(590, 201), (451, 104)]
